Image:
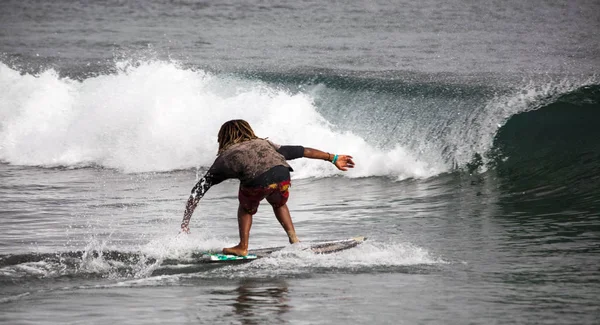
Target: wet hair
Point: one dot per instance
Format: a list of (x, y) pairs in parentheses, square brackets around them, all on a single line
[(232, 132)]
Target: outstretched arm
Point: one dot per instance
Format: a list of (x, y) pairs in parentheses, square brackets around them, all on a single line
[(197, 193), (342, 162)]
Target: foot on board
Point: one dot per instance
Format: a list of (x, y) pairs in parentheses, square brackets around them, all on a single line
[(235, 250)]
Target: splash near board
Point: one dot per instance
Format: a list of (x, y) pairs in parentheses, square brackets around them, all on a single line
[(326, 247)]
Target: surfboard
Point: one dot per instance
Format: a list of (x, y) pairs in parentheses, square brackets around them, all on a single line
[(325, 247)]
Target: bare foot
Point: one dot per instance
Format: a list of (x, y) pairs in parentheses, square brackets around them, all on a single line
[(235, 250), (292, 237)]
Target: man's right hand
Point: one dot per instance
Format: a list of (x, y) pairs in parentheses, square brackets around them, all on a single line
[(185, 229)]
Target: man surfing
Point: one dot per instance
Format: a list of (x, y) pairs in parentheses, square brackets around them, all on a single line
[(263, 171)]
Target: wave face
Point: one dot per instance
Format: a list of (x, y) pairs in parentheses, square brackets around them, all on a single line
[(159, 116), (553, 153)]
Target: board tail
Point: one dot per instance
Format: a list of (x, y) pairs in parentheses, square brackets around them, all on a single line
[(332, 247)]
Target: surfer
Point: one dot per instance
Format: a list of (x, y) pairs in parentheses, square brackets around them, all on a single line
[(261, 167)]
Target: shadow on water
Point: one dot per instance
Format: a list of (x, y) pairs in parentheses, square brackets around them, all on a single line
[(255, 301)]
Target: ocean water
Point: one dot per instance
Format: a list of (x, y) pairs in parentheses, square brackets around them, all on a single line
[(475, 128)]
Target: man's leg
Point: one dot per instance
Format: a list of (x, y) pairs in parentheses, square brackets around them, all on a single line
[(283, 216), (244, 225)]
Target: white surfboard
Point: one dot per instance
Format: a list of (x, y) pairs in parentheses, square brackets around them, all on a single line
[(326, 247)]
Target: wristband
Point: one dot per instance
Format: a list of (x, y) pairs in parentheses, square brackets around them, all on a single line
[(335, 158)]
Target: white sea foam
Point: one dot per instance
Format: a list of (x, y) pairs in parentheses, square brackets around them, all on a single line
[(182, 246), (158, 116), (38, 269), (292, 259), (297, 260), (368, 254)]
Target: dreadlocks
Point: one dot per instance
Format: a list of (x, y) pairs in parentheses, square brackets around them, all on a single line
[(232, 132)]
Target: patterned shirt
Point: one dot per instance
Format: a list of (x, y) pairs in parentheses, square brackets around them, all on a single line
[(245, 161)]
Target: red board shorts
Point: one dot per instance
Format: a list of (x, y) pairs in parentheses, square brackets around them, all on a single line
[(276, 194)]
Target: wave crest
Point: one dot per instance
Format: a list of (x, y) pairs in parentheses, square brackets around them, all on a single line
[(158, 116)]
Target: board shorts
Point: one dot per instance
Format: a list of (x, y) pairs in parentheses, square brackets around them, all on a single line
[(273, 185)]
